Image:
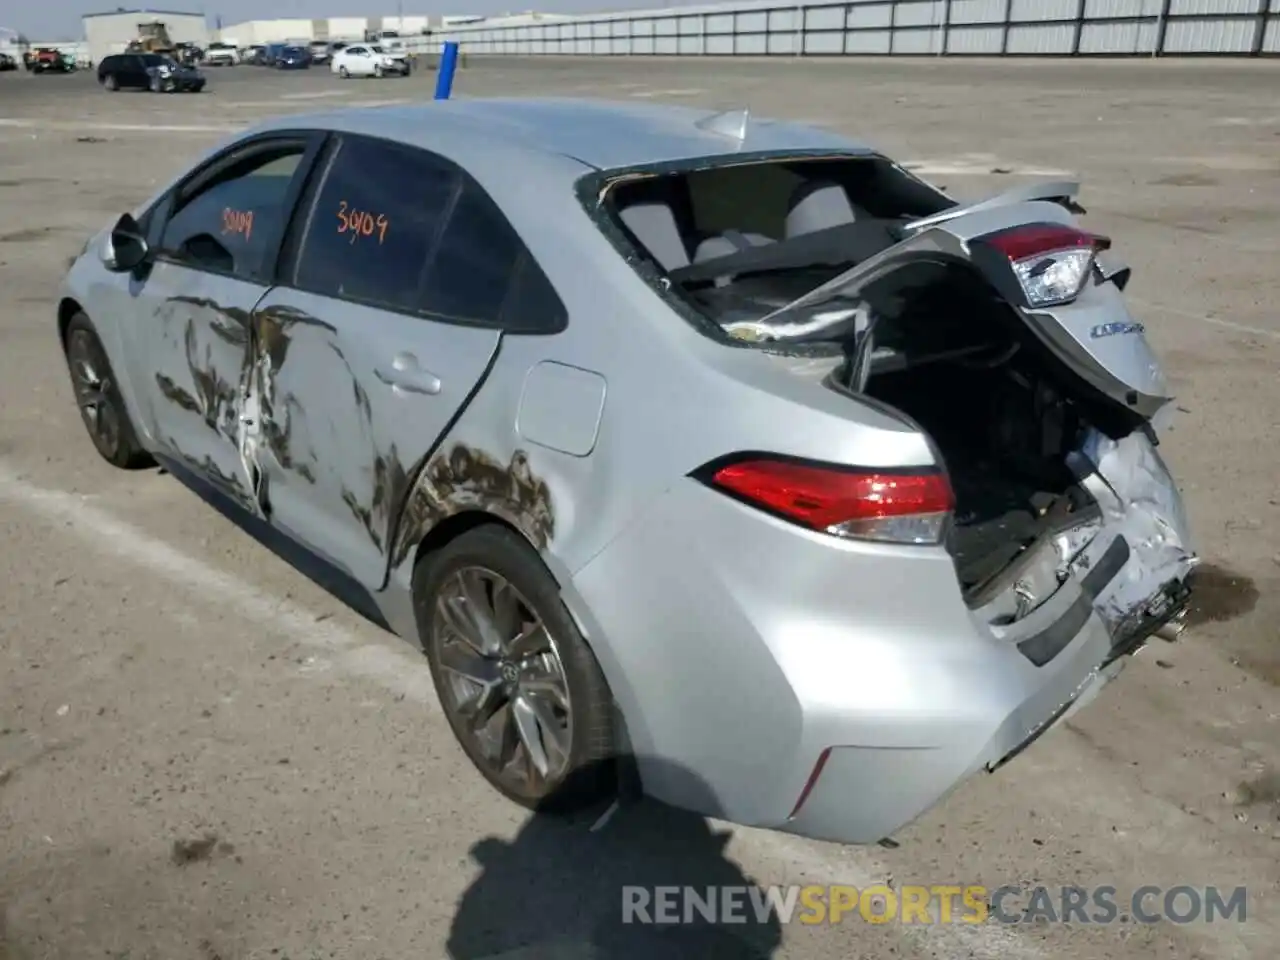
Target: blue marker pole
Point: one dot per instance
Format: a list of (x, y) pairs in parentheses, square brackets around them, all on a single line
[(448, 63)]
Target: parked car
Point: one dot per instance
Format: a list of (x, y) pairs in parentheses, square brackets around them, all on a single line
[(869, 501), (7, 63), (254, 55), (221, 55), (319, 50), (188, 54), (50, 60), (148, 71), (368, 60), (270, 53), (293, 58)]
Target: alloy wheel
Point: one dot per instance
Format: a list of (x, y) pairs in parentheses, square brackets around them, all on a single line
[(504, 682), (93, 391)]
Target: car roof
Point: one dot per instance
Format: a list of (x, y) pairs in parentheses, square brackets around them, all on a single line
[(599, 133)]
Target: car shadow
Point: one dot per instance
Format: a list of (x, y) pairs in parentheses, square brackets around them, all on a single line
[(559, 891)]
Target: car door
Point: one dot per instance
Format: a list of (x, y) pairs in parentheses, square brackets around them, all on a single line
[(130, 72), (216, 241), (359, 369)]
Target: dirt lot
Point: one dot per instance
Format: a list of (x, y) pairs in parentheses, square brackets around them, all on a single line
[(204, 756)]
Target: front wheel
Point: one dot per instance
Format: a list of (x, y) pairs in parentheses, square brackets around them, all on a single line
[(518, 683), (342, 72), (110, 83), (98, 396), (377, 71)]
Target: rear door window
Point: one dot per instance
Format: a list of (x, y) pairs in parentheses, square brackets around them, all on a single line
[(399, 227), (483, 273), (378, 211)]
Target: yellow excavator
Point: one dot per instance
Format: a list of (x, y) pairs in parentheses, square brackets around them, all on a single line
[(152, 38)]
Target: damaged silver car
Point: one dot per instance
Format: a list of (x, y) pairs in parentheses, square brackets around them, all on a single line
[(726, 448)]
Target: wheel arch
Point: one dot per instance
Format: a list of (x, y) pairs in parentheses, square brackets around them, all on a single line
[(455, 525), (67, 308)]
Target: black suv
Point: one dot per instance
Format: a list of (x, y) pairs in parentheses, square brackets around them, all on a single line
[(148, 71)]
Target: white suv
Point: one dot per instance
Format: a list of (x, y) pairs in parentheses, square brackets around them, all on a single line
[(221, 55)]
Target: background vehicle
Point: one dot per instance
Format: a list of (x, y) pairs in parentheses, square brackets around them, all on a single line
[(148, 71), (270, 54), (293, 58), (51, 60), (153, 37), (368, 60), (919, 513), (7, 63), (253, 54), (188, 54), (221, 55), (319, 50)]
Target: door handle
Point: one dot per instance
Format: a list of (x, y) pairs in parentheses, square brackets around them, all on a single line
[(407, 376)]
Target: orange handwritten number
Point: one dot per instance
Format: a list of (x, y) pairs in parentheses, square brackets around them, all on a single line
[(361, 223), (237, 221)]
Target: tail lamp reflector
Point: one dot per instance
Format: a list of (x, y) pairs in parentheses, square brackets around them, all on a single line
[(887, 506), (1052, 262)]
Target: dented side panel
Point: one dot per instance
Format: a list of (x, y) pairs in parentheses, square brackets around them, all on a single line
[(352, 400), (195, 345)]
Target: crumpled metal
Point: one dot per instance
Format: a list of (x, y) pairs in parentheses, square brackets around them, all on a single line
[(1141, 502)]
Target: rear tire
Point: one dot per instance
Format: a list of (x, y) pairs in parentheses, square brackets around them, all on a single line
[(102, 408), (545, 688), (343, 73)]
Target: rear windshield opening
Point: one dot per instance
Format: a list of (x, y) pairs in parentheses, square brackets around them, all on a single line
[(740, 240)]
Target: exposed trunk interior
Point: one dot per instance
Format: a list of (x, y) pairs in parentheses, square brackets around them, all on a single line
[(957, 361)]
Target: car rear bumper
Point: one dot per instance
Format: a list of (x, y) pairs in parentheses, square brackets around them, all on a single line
[(745, 654)]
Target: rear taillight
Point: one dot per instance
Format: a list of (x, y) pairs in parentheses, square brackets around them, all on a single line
[(1052, 262), (892, 506)]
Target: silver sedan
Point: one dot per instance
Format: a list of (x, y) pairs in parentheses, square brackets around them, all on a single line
[(722, 451)]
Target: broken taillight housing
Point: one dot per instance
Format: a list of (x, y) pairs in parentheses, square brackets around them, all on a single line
[(885, 505), (1052, 262)]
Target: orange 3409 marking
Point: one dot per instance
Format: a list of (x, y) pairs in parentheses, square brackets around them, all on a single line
[(237, 221), (361, 223)]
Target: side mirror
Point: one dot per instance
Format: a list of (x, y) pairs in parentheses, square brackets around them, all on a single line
[(126, 249)]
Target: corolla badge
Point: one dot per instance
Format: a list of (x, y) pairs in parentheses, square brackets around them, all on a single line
[(1114, 329)]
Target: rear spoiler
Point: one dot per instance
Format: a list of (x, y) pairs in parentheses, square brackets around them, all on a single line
[(1062, 192)]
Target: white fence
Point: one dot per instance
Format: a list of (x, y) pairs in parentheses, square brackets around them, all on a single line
[(903, 27)]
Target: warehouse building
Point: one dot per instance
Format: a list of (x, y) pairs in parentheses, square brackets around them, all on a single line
[(331, 28), (108, 33)]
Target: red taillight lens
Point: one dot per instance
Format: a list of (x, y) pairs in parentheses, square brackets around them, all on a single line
[(1052, 262), (884, 505)]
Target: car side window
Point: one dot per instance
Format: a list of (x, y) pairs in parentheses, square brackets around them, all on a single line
[(226, 225), (369, 234), (482, 272)]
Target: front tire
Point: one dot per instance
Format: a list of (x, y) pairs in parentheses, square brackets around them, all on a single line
[(377, 71), (518, 683), (110, 83), (98, 396), (344, 73)]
